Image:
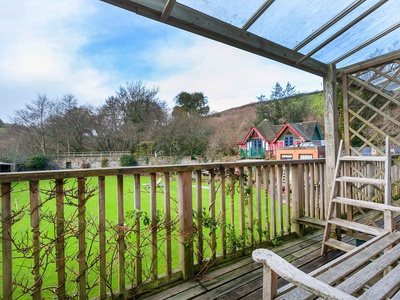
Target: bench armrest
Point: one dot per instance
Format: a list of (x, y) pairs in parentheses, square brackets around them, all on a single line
[(274, 264)]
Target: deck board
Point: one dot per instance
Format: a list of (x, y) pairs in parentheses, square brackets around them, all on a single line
[(243, 278)]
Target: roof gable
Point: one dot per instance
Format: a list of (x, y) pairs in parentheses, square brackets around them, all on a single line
[(305, 131)]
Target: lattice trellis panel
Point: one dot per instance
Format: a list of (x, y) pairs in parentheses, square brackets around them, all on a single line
[(372, 102), (371, 105)]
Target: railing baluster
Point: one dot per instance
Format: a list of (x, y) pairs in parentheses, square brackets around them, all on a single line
[(153, 217), (258, 203), (102, 237), (250, 224), (82, 238), (35, 224), (288, 191), (280, 198), (223, 212), (212, 214), (266, 199), (312, 190), (232, 194), (121, 233), (199, 212), (138, 260), (242, 203), (6, 240), (273, 202), (60, 240), (298, 196), (307, 190), (167, 208), (317, 192), (322, 183)]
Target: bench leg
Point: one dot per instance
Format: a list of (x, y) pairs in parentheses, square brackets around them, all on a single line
[(269, 283)]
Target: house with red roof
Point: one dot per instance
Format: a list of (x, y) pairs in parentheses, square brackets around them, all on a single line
[(287, 141)]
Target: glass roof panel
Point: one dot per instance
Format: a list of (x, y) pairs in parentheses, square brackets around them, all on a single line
[(290, 22), (380, 20), (387, 44), (338, 26), (234, 12)]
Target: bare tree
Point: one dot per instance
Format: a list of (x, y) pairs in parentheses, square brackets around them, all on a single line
[(32, 121)]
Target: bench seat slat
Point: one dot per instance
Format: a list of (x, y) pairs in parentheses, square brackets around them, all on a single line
[(384, 287), (355, 282), (340, 271)]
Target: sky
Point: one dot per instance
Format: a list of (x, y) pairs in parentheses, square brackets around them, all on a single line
[(89, 48)]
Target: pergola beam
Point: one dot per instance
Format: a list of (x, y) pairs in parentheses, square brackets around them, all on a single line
[(376, 61), (196, 22)]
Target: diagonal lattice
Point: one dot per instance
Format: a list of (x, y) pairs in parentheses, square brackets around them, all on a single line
[(373, 106)]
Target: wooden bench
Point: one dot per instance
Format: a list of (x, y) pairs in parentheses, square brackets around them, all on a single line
[(370, 271)]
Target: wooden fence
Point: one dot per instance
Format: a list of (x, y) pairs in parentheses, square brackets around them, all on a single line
[(116, 232)]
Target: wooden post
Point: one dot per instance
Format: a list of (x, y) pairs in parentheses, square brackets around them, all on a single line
[(153, 217), (102, 237), (258, 201), (168, 229), (331, 127), (60, 241), (288, 184), (279, 176), (213, 243), (121, 233), (35, 224), (185, 209), (82, 239), (298, 196), (273, 202), (223, 213), (266, 200), (138, 261), (250, 218), (242, 227), (6, 238), (199, 210)]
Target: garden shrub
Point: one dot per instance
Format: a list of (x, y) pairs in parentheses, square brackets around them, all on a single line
[(36, 162), (127, 160)]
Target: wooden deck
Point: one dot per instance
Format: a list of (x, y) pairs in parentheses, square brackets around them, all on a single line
[(243, 279)]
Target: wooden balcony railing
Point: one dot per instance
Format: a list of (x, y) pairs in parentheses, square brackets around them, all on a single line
[(116, 232)]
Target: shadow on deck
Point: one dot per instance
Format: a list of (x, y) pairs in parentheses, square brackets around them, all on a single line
[(243, 279)]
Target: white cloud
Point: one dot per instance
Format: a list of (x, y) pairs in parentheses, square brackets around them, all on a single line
[(41, 41), (229, 77)]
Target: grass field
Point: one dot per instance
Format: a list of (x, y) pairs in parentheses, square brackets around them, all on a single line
[(22, 235)]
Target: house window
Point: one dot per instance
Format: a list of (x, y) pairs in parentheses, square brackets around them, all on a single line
[(306, 156), (288, 140), (286, 156), (256, 143)]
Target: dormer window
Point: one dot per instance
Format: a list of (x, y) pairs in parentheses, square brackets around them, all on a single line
[(289, 140)]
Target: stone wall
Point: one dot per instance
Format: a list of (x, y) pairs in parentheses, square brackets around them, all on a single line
[(113, 162)]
